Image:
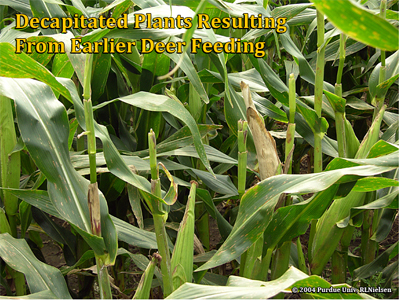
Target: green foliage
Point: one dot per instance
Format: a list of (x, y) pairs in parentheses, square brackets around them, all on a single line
[(115, 156)]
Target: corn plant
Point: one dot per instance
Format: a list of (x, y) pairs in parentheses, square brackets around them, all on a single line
[(196, 174)]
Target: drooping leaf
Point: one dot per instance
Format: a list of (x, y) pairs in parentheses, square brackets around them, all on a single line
[(20, 5), (36, 104), (56, 232), (141, 262), (189, 69), (239, 287), (391, 70), (126, 232), (23, 66), (377, 264), (257, 206), (40, 277), (291, 221), (160, 103), (360, 24), (281, 92), (45, 9)]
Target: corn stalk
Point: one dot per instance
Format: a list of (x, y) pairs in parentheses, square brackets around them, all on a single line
[(93, 191), (319, 81), (159, 218), (10, 163)]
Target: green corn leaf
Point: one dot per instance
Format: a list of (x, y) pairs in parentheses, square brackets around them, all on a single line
[(390, 272), (326, 107), (360, 24), (378, 264), (385, 225), (374, 183), (212, 154), (250, 77), (45, 9), (67, 189), (114, 161), (183, 251), (383, 87), (133, 235), (317, 125), (117, 5), (183, 137), (327, 234), (337, 103), (126, 232), (134, 200), (266, 107), (101, 68), (42, 58), (40, 277), (172, 194), (23, 66), (219, 183), (154, 65), (280, 91), (56, 232), (4, 225), (257, 206), (306, 72), (10, 162), (189, 69), (392, 69), (291, 221), (372, 135), (141, 261), (62, 67), (144, 287), (223, 225), (387, 201), (162, 103), (21, 6), (47, 294), (89, 254), (239, 287), (352, 142)]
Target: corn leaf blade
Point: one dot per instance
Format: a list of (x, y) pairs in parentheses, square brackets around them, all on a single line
[(42, 116), (40, 277), (360, 24)]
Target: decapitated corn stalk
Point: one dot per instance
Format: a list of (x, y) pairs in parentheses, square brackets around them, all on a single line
[(280, 262), (268, 165), (93, 190), (319, 81), (159, 217)]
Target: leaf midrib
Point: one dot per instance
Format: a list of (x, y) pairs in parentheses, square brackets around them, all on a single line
[(62, 166)]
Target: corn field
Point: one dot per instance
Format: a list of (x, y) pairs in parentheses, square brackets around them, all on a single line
[(190, 149)]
